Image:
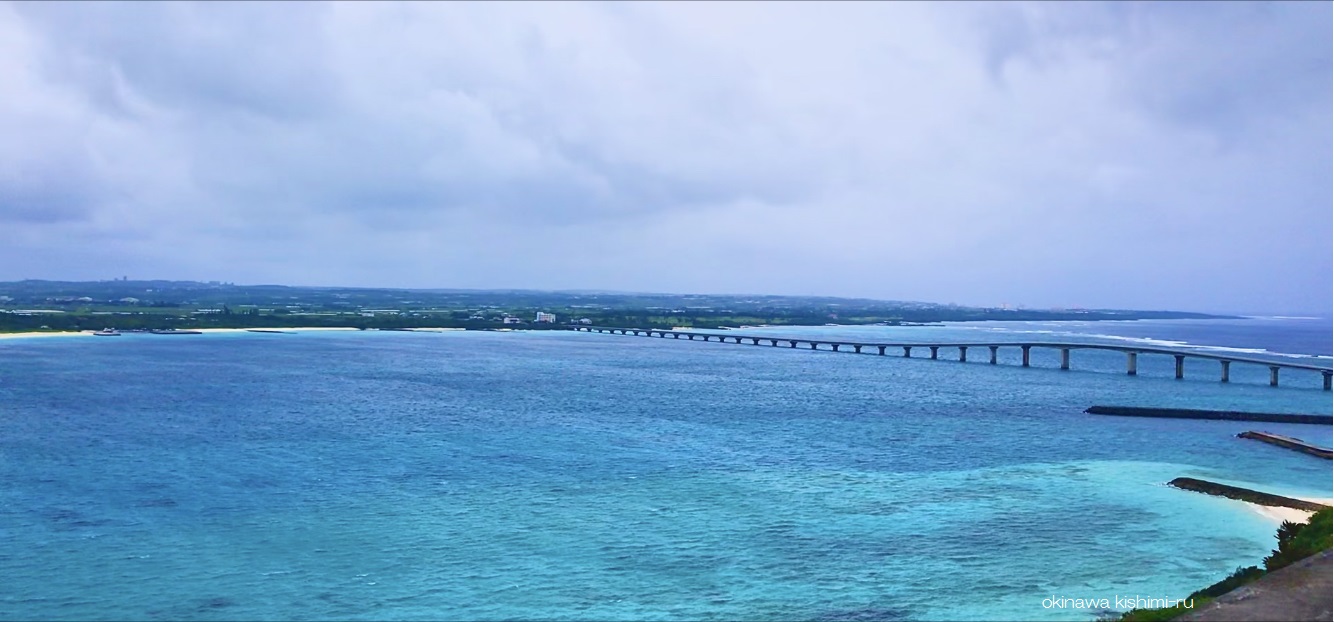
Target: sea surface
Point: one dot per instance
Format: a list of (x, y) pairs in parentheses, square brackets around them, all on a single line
[(560, 475)]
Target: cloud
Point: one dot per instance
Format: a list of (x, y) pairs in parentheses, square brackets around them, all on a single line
[(1089, 154)]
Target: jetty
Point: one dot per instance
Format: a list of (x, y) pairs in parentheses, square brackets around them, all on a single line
[(1244, 494), (1132, 352), (1214, 415), (1287, 442)]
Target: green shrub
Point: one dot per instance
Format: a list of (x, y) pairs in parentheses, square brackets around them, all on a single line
[(1299, 541)]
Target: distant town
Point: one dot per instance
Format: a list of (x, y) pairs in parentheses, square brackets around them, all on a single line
[(123, 304)]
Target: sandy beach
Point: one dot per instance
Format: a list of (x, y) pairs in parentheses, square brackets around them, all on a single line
[(1278, 515), (90, 333), (302, 329), (45, 334)]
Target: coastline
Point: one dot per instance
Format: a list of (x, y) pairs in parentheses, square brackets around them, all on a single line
[(91, 333), (1277, 514), (68, 333)]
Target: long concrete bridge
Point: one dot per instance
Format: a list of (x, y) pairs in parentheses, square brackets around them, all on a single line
[(1132, 352)]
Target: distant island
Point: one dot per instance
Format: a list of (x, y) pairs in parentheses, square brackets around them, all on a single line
[(38, 305)]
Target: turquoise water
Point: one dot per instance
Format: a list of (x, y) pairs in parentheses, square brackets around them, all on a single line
[(555, 475)]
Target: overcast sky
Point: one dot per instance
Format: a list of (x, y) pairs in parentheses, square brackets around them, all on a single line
[(1166, 155)]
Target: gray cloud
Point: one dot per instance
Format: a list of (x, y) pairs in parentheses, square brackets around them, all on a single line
[(1089, 154)]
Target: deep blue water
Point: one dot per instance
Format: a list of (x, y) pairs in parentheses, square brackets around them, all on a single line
[(553, 475)]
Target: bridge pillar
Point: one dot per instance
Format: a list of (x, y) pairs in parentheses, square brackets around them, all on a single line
[(1026, 349), (1273, 375), (1226, 365), (1065, 358), (794, 344), (813, 345), (676, 335), (882, 350), (963, 354), (857, 349), (690, 336), (907, 352), (754, 341), (933, 352), (1181, 365), (773, 342), (835, 346), (1132, 363), (993, 353), (1325, 375)]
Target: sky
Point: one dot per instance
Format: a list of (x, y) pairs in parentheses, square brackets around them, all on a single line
[(1119, 155)]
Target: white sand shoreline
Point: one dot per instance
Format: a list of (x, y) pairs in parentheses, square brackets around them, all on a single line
[(45, 334), (1277, 515), (91, 333)]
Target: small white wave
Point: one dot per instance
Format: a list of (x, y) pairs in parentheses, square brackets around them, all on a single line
[(1166, 343), (1298, 356), (1241, 350), (1193, 346)]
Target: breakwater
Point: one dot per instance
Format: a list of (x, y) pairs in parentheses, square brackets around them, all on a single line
[(1217, 415), (1244, 494)]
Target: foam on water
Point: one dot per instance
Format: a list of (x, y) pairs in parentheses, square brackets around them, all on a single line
[(583, 476)]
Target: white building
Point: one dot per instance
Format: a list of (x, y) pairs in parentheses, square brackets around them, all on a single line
[(549, 318)]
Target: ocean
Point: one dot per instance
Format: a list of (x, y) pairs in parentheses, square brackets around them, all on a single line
[(571, 476)]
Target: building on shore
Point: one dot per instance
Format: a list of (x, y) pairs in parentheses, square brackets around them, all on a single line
[(549, 318)]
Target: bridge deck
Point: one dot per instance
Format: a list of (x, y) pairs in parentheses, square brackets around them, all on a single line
[(980, 344)]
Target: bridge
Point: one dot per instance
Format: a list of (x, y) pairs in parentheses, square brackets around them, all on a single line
[(1132, 352)]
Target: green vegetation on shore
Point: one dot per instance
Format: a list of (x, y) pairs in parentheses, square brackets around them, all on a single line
[(127, 305), (1296, 541)]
